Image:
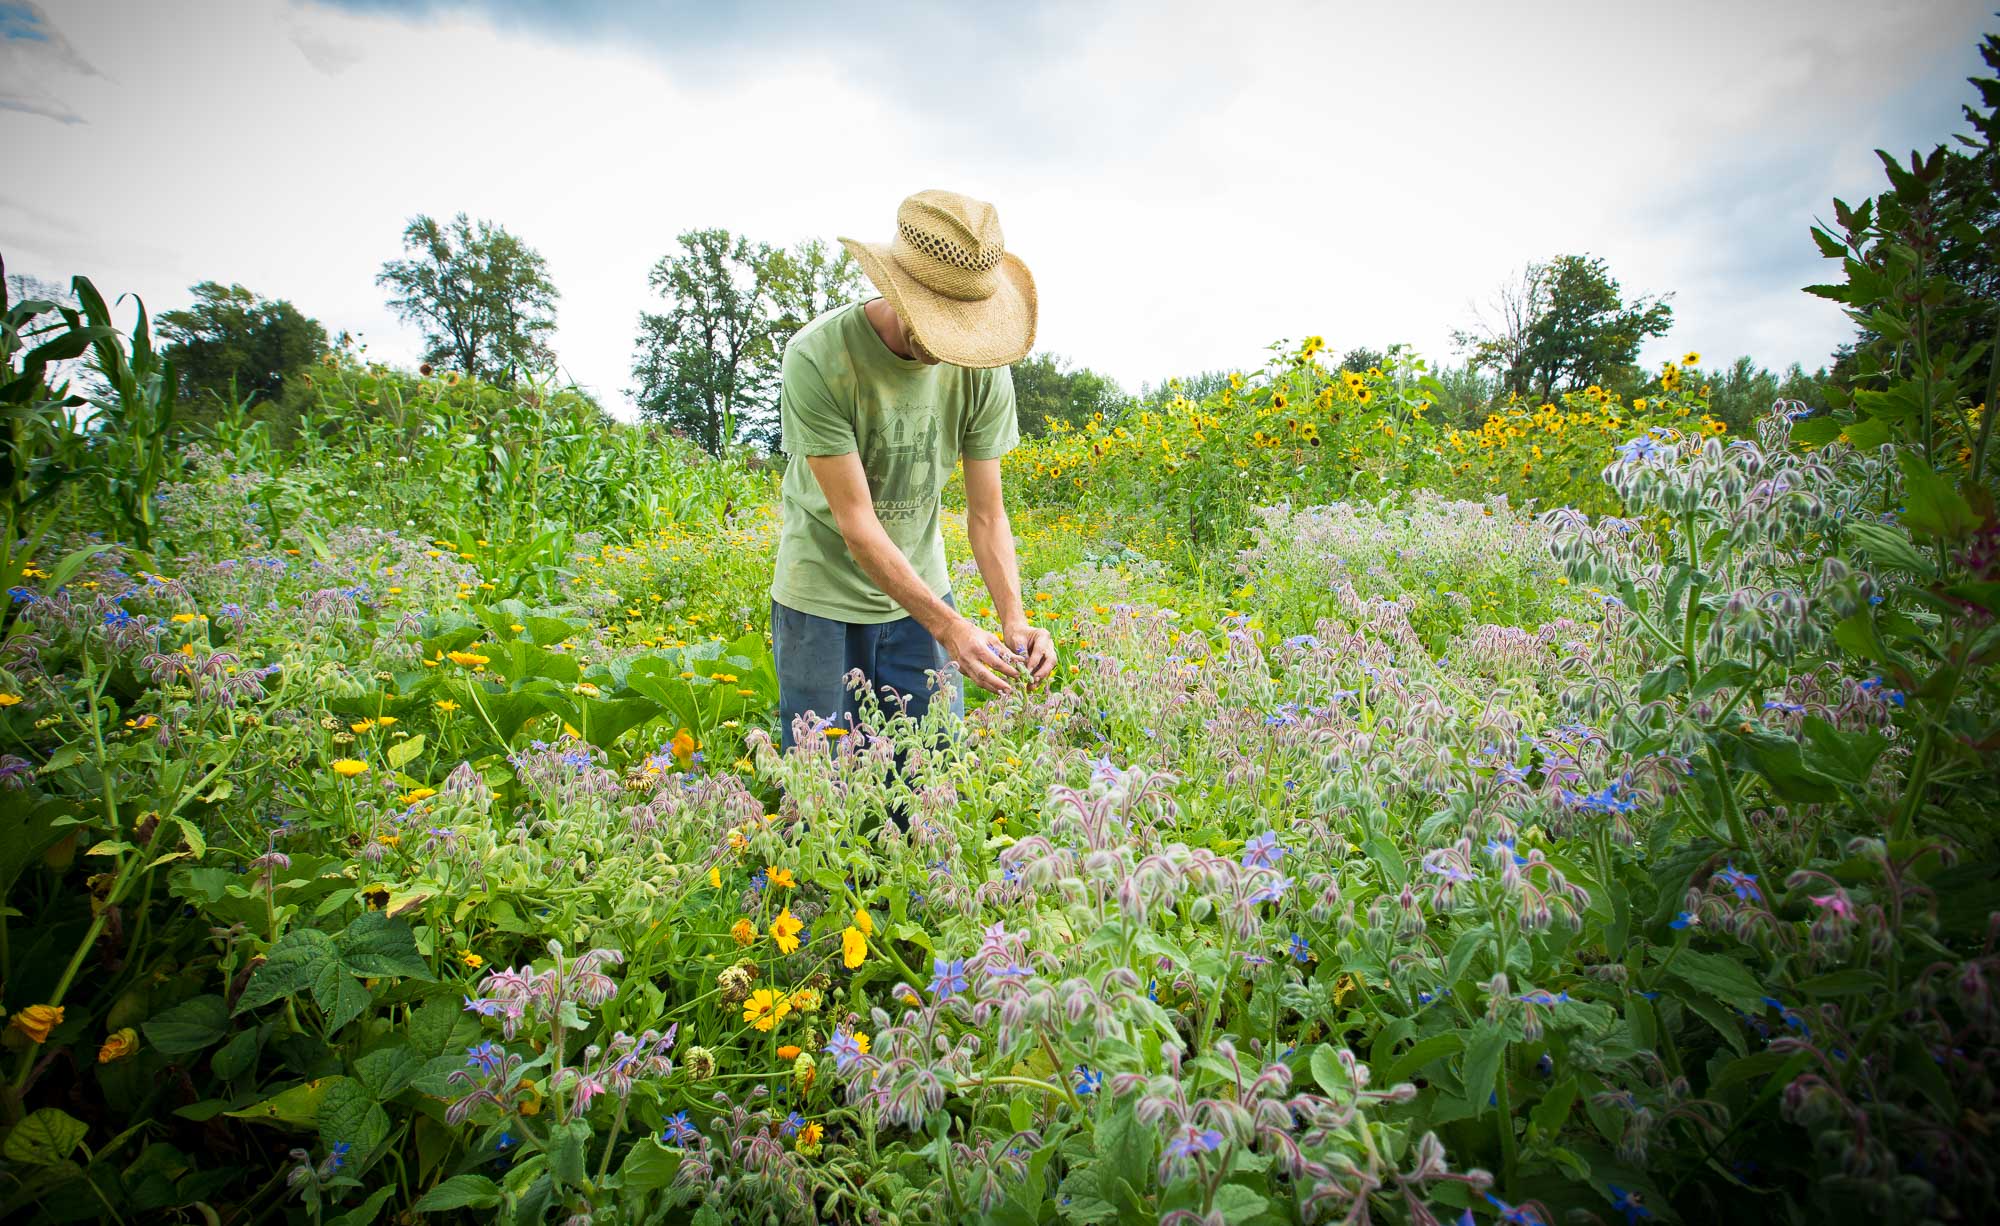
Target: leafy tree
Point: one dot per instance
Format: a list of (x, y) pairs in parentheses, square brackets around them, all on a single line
[(803, 282), (1045, 389), (704, 364), (1563, 325), (481, 296), (1742, 392), (232, 344), (1360, 358), (1196, 387)]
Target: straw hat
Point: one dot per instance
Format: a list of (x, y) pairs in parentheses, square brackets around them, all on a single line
[(965, 298)]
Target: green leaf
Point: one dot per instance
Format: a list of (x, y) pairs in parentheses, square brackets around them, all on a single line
[(339, 995), (1483, 1055), (1887, 545), (376, 946), (291, 967), (568, 1147), (365, 1213), (1550, 1113), (1933, 508), (297, 1106), (349, 1113), (1844, 983), (469, 1192), (387, 1070), (190, 1026), (1424, 1052), (402, 751), (237, 1057), (45, 1138), (1719, 977), (1326, 1070), (1236, 1203), (648, 1167)]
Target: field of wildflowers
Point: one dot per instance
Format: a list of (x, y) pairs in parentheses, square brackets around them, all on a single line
[(1585, 816)]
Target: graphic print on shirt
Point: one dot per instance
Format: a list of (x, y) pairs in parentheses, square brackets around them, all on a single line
[(901, 460)]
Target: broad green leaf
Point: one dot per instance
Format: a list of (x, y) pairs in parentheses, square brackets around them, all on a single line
[(386, 1070), (297, 1106), (402, 751), (348, 1113), (1421, 1054), (45, 1138), (367, 1211), (1720, 977), (375, 945), (292, 966), (648, 1166), (189, 1026), (1484, 1053), (472, 1192)]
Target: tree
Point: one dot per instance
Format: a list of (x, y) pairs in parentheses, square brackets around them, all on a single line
[(803, 283), (232, 344), (481, 296), (1563, 325), (1361, 358), (703, 365), (1045, 389)]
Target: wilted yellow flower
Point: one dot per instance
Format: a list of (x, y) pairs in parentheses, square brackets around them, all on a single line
[(118, 1045), (743, 932), (809, 1138), (781, 876), (36, 1021)]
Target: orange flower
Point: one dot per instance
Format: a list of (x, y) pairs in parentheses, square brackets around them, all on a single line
[(743, 931), (36, 1021), (788, 1052), (781, 876)]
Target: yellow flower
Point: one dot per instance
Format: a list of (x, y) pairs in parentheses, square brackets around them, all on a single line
[(836, 732), (446, 704), (8, 700), (715, 876), (765, 1008), (722, 677), (384, 720), (416, 794), (684, 746), (806, 1000), (471, 959), (118, 1045), (363, 726), (853, 947), (781, 876), (36, 1021), (743, 932), (468, 658), (348, 768), (530, 1102), (809, 1138), (785, 931), (1690, 359), (864, 922)]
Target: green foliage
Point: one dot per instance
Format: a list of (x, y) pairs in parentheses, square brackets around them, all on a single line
[(708, 365), (481, 297), (1046, 391), (1563, 325), (232, 344)]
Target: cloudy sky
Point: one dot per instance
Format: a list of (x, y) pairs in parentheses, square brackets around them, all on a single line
[(1188, 181)]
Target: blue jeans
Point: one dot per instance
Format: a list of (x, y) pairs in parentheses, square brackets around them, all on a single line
[(814, 655)]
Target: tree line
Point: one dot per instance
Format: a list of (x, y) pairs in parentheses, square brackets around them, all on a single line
[(705, 361)]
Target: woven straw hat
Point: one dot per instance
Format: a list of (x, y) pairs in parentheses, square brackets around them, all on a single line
[(967, 299)]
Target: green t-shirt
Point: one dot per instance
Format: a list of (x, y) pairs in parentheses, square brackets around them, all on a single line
[(844, 390)]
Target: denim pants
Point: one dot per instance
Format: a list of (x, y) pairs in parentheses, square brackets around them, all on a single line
[(814, 655)]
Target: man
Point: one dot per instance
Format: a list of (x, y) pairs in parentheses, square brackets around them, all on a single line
[(880, 401)]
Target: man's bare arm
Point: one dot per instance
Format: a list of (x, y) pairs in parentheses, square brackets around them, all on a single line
[(978, 653), (992, 537)]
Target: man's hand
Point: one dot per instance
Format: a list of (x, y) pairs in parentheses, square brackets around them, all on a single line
[(1038, 645), (980, 655)]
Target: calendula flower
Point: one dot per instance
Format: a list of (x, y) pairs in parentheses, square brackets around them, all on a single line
[(853, 947), (118, 1045), (472, 960), (788, 1052), (446, 705), (785, 931), (766, 1008), (348, 768), (743, 932), (8, 700), (36, 1021), (362, 726), (809, 1138), (781, 876), (467, 658), (715, 876), (806, 1000)]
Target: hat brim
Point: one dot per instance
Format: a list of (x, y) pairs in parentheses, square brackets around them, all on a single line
[(997, 330)]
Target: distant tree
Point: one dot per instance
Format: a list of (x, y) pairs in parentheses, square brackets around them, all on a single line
[(1361, 358), (1563, 325), (1196, 387), (233, 344), (704, 364), (1045, 388), (1742, 392), (1467, 395), (800, 283), (481, 296)]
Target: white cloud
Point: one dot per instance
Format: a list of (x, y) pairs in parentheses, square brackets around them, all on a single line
[(1188, 185)]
